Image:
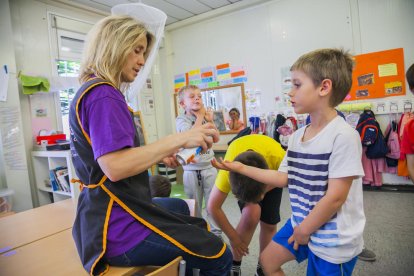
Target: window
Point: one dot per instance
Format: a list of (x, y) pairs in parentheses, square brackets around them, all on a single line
[(67, 41)]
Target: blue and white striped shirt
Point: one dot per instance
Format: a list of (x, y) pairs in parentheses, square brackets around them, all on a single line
[(335, 152)]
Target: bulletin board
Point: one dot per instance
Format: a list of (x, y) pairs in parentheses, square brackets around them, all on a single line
[(378, 75)]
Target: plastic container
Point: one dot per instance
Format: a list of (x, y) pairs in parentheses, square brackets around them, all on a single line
[(6, 200), (185, 156)]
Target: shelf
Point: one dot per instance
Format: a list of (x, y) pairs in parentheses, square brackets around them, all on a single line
[(50, 153), (49, 190), (43, 162)]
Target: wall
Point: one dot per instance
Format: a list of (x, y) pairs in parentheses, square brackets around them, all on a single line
[(14, 153), (270, 36), (27, 46)]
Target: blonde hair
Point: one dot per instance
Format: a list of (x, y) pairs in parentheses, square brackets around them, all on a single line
[(333, 64), (108, 44), (184, 89)]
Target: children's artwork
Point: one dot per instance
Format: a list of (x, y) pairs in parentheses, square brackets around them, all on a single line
[(286, 86), (378, 75), (219, 120), (140, 127), (367, 79)]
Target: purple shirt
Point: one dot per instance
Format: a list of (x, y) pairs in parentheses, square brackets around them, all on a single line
[(105, 117)]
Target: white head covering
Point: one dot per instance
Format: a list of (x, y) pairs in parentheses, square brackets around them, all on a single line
[(154, 19)]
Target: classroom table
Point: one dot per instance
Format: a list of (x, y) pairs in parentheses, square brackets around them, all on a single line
[(55, 255), (26, 227)]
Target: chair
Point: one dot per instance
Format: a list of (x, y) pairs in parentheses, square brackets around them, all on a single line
[(171, 269)]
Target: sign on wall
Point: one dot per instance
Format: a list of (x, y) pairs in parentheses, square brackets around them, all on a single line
[(378, 75), (208, 77)]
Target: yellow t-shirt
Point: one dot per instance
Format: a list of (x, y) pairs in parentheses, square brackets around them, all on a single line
[(271, 150)]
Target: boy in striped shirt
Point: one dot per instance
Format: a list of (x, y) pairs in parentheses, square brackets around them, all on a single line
[(323, 171)]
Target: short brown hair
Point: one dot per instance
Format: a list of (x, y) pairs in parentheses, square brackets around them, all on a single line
[(160, 186), (333, 64), (244, 188)]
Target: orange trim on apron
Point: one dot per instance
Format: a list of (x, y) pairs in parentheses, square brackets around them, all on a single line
[(105, 233), (117, 200), (158, 231)]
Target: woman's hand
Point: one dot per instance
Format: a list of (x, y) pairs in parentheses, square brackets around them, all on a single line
[(204, 136), (171, 161), (234, 166)]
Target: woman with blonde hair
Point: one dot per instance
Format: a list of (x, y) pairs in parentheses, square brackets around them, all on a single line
[(116, 221)]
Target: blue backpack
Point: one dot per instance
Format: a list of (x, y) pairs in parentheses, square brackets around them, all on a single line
[(368, 128), (371, 135)]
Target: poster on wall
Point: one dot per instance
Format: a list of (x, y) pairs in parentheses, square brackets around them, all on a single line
[(378, 75), (286, 85), (211, 76)]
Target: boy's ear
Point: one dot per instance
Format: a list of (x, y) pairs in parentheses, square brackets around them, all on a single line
[(325, 87)]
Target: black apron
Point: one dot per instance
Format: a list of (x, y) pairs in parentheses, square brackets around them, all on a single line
[(191, 234)]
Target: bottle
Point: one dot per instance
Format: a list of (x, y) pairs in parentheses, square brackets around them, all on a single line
[(184, 156)]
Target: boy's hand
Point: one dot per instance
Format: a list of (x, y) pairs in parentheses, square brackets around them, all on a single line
[(226, 165), (199, 113), (209, 115), (238, 248), (298, 237)]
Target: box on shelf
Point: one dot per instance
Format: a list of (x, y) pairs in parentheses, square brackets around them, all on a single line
[(50, 139)]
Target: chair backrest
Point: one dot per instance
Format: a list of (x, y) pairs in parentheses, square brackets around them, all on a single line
[(191, 205), (170, 269)]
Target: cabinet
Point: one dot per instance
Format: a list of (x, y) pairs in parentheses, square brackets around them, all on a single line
[(47, 162)]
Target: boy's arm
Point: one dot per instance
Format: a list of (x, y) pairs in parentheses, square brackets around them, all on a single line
[(202, 116), (324, 210), (214, 206), (266, 176)]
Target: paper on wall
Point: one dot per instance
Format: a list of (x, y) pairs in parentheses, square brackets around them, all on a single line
[(4, 83)]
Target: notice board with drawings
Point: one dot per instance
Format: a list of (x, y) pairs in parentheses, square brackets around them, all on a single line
[(378, 75)]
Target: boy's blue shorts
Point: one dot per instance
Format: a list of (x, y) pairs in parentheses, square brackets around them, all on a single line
[(316, 265)]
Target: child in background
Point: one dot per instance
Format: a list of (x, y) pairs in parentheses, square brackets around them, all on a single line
[(199, 175), (160, 187), (323, 171), (407, 141), (235, 123)]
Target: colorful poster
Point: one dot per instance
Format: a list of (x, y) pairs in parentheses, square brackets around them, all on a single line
[(207, 77), (378, 75)]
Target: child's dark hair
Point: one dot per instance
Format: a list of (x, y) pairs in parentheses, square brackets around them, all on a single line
[(244, 188), (235, 110), (333, 64), (410, 77), (160, 186)]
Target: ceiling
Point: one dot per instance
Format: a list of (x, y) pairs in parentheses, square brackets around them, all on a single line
[(176, 10)]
